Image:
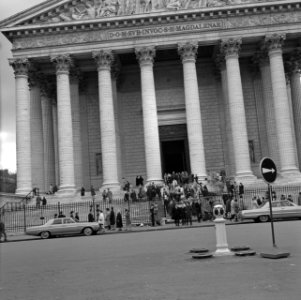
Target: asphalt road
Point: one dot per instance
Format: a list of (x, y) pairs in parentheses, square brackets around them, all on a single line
[(153, 265)]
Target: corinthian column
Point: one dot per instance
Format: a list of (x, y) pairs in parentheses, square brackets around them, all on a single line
[(55, 142), (229, 159), (188, 53), (48, 138), (263, 62), (231, 48), (288, 162), (65, 132), (74, 87), (23, 138), (145, 56), (294, 68), (37, 149), (104, 59)]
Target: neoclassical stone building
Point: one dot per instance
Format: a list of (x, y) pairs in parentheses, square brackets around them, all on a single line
[(112, 89)]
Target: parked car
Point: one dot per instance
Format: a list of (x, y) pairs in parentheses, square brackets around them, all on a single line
[(283, 209), (63, 226)]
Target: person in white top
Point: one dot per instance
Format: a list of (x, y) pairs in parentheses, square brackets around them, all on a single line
[(101, 220)]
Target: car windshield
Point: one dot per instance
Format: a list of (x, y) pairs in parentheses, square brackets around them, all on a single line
[(68, 221), (49, 222), (286, 203), (56, 221), (274, 204)]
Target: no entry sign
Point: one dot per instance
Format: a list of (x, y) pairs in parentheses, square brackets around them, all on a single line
[(268, 170)]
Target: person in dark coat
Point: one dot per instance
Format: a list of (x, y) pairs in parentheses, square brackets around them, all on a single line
[(82, 191), (198, 210), (152, 214), (2, 230), (241, 189), (112, 218), (61, 215), (44, 201), (119, 223), (176, 215), (38, 201), (93, 192), (189, 213), (90, 216)]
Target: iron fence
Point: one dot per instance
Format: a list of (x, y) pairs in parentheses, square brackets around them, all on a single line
[(19, 216), (262, 192)]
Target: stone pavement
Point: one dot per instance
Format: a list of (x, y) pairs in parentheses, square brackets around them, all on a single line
[(21, 236)]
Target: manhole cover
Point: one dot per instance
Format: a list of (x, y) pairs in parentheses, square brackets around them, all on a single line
[(275, 255), (203, 255), (245, 253), (199, 250), (240, 248)]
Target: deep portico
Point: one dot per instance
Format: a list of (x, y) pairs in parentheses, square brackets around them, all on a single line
[(110, 89)]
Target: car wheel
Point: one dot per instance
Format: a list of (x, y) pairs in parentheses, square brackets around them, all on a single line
[(87, 231), (263, 218), (45, 235)]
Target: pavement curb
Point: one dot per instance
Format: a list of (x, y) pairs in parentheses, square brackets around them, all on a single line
[(21, 237)]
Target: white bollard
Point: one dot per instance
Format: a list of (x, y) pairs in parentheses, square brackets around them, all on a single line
[(220, 230)]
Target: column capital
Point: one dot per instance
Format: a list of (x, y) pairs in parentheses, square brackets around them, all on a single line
[(231, 47), (145, 55), (273, 42), (293, 62), (103, 58), (220, 61), (47, 86), (63, 63), (75, 75), (188, 51), (260, 58), (20, 65), (116, 68), (35, 76)]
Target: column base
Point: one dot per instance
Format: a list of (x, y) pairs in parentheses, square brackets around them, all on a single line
[(202, 178), (289, 176), (114, 187), (66, 191), (156, 181), (246, 178), (23, 191)]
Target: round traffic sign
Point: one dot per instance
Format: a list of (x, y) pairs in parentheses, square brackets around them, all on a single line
[(268, 170)]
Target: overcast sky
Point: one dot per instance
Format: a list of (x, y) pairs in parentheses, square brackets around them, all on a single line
[(7, 88)]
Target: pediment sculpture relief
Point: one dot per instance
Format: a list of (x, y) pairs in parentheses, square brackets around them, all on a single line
[(94, 9)]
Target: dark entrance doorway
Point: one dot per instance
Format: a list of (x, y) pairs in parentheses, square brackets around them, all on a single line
[(174, 156)]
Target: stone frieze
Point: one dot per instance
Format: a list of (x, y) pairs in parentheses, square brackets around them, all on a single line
[(155, 30), (96, 9)]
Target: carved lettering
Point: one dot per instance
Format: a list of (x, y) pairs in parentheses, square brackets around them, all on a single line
[(148, 32)]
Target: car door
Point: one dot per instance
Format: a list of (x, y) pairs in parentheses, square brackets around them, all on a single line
[(70, 226), (276, 208), (289, 210), (56, 226)]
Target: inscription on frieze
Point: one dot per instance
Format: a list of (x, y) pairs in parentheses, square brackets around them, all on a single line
[(167, 29), (159, 30)]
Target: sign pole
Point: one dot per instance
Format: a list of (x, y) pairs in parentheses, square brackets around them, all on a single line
[(271, 215), (268, 171)]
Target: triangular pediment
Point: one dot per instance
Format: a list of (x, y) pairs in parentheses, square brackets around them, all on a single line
[(60, 11)]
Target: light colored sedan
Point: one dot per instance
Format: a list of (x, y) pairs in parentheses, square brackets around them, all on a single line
[(63, 226), (283, 209)]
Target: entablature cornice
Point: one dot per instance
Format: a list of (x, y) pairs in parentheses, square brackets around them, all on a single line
[(222, 13)]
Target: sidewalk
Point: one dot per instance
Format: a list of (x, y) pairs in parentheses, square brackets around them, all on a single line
[(21, 236)]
